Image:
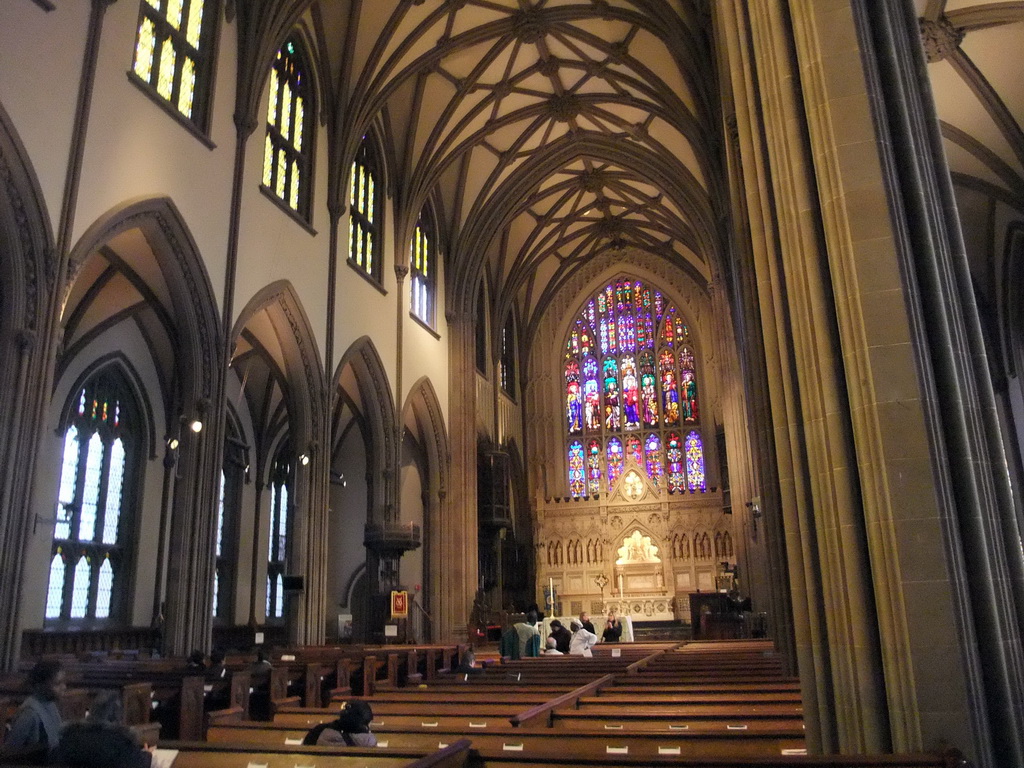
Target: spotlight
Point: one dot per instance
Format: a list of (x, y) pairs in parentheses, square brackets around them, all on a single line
[(196, 426), (303, 459), (172, 443)]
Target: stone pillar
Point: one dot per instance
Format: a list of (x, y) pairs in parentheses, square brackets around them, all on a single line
[(457, 569)]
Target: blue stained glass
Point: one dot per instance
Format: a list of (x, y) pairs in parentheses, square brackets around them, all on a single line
[(93, 470), (604, 336), (220, 521), (627, 333), (55, 591), (216, 589), (576, 485), (634, 452), (591, 314), (614, 460), (80, 590), (573, 397), (279, 607), (115, 483), (68, 482), (652, 452), (270, 596), (282, 531), (104, 589)]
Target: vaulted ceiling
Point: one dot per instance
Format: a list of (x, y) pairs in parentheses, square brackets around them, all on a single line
[(544, 131), (974, 54)]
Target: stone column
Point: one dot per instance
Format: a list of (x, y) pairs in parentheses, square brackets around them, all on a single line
[(457, 569)]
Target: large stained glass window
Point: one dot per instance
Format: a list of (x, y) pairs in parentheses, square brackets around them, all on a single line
[(287, 148), (631, 385), (88, 562), (280, 513), (364, 219), (173, 54)]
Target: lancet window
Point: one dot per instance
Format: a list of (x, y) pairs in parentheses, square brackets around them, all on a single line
[(89, 558)]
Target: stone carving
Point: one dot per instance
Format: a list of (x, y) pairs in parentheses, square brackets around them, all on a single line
[(940, 38), (637, 549)]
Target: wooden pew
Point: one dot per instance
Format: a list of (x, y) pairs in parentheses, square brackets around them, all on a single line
[(539, 741), (207, 755)]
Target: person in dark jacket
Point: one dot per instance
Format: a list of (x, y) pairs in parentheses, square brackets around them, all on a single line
[(562, 636), (612, 629), (352, 728), (102, 740), (35, 728)]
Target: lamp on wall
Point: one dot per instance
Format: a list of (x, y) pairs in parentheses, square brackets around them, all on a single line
[(754, 505)]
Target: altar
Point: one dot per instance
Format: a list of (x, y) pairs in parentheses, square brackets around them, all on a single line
[(640, 577)]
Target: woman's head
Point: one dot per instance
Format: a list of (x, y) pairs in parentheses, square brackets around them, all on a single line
[(46, 679)]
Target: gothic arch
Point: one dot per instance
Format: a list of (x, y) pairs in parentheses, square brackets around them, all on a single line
[(373, 398), (28, 272), (273, 340), (423, 417)]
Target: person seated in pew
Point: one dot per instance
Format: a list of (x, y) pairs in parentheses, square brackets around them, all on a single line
[(467, 664), (102, 740), (216, 668), (562, 636), (612, 629), (196, 661), (582, 641), (552, 649), (35, 729), (352, 728)]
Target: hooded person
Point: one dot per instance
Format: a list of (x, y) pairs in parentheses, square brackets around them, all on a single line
[(35, 728), (582, 641), (351, 729)]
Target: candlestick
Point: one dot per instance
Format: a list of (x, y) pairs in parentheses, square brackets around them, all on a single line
[(620, 587), (551, 593)]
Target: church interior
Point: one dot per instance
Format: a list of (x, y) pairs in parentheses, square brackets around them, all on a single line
[(590, 304)]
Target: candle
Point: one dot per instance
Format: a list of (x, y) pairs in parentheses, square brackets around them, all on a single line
[(620, 587), (551, 593)]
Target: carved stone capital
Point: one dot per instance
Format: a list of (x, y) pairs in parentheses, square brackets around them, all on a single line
[(940, 38)]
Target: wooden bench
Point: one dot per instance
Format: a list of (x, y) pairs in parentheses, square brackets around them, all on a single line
[(207, 755)]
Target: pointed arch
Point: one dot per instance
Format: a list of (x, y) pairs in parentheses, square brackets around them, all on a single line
[(273, 339), (374, 399), (183, 270), (28, 272)]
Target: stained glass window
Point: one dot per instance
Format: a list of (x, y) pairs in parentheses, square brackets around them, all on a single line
[(286, 151), (630, 364), (576, 484), (94, 511), (279, 532), (232, 478), (652, 454), (365, 204), (173, 54), (423, 267), (594, 467), (676, 466), (507, 362), (694, 462), (614, 460)]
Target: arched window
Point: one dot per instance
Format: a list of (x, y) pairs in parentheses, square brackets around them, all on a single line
[(280, 521), (173, 55), (89, 561), (287, 149), (364, 219), (631, 381), (232, 478), (481, 333), (508, 357), (423, 268)]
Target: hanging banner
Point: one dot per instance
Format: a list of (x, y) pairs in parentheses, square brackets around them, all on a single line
[(399, 604)]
